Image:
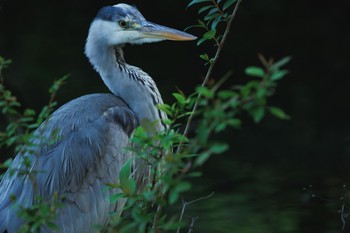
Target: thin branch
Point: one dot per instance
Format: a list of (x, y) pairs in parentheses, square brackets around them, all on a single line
[(343, 215), (185, 204), (210, 70), (193, 220)]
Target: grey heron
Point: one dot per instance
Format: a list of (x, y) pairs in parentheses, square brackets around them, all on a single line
[(80, 147)]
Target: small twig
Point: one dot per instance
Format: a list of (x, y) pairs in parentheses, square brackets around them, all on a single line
[(217, 6), (343, 215), (193, 220), (185, 204), (210, 70)]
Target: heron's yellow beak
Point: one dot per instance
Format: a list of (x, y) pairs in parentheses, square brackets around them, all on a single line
[(152, 30)]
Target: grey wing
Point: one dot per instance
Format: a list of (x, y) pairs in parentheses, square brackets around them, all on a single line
[(91, 135)]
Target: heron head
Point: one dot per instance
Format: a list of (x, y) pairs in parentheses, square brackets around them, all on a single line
[(122, 23)]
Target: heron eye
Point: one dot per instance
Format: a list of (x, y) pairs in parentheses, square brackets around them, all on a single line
[(122, 23)]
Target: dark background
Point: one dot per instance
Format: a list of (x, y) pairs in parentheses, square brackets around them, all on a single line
[(279, 176)]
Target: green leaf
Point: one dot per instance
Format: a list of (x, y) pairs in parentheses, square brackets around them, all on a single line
[(214, 10), (116, 197), (195, 174), (210, 34), (278, 64), (167, 121), (180, 98), (127, 183), (57, 84), (226, 94), (29, 112), (215, 22), (235, 122), (228, 3), (202, 158), (204, 91), (219, 148), (183, 186), (196, 2), (258, 114), (6, 164), (179, 188), (255, 71), (200, 22), (279, 113), (209, 17), (200, 41), (165, 108), (278, 75), (149, 195), (220, 127), (205, 57), (204, 8)]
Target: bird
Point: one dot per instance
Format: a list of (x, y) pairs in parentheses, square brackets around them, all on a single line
[(80, 148)]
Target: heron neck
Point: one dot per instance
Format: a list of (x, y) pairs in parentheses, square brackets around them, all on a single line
[(128, 82)]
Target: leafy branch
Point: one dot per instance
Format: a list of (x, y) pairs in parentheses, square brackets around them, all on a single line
[(211, 19)]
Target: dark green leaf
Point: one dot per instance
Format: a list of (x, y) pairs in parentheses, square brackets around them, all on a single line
[(278, 64), (279, 74), (29, 112), (195, 174), (219, 148), (258, 114), (226, 94), (215, 22), (201, 23), (200, 41), (204, 91), (220, 127), (195, 26), (228, 3), (279, 113), (127, 184), (214, 10), (165, 108), (180, 98), (210, 34), (205, 57), (235, 122), (255, 71), (173, 196), (204, 8), (167, 121), (211, 16), (179, 188), (202, 158), (116, 197), (196, 2), (182, 186), (6, 164)]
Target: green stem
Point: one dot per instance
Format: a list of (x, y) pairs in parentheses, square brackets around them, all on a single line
[(210, 70)]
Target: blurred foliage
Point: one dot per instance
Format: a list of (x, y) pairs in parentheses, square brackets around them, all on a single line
[(18, 134)]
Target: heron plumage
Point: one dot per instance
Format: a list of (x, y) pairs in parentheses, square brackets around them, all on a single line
[(86, 155), (81, 147)]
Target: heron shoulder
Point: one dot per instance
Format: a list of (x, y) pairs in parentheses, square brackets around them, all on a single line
[(86, 109)]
